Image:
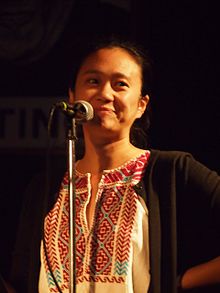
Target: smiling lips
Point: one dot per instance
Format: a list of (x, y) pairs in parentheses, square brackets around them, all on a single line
[(105, 109)]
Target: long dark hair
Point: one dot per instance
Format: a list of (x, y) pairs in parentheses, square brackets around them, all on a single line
[(139, 130)]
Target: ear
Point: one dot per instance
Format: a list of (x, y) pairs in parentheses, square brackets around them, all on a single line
[(71, 96), (142, 105)]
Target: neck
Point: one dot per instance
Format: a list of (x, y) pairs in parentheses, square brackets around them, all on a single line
[(106, 155)]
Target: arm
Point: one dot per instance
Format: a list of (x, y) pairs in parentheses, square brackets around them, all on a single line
[(189, 216), (5, 287), (202, 275), (206, 208), (25, 258)]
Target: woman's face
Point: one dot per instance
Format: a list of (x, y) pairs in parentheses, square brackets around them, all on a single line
[(110, 80)]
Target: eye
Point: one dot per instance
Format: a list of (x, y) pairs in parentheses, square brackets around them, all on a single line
[(92, 81), (122, 83)]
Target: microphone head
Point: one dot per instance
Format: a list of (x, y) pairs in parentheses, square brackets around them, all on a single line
[(83, 111)]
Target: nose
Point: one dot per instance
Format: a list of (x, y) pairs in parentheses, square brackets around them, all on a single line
[(105, 92)]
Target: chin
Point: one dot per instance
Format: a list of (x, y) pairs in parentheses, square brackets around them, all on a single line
[(104, 122)]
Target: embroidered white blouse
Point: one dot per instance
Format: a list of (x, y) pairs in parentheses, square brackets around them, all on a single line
[(113, 256)]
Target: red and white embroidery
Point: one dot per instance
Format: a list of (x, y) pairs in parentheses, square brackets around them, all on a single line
[(102, 254)]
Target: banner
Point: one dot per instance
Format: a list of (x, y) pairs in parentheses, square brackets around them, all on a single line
[(24, 122)]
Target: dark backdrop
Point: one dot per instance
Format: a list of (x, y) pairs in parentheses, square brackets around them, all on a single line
[(36, 43)]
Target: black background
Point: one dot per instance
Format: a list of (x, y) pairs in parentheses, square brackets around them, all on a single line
[(183, 41)]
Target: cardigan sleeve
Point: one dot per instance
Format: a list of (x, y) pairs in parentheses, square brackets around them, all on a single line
[(183, 197), (198, 211), (205, 185), (39, 196), (24, 265)]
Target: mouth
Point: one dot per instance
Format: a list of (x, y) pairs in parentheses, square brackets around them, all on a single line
[(104, 109)]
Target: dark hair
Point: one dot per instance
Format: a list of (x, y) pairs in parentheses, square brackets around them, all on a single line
[(139, 130)]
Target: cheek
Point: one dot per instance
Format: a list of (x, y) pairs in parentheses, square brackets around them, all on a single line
[(79, 90), (129, 110), (128, 99), (82, 93), (131, 103)]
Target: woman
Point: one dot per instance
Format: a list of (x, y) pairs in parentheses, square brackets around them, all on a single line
[(127, 197)]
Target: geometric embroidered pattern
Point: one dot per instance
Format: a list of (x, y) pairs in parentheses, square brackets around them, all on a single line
[(103, 253)]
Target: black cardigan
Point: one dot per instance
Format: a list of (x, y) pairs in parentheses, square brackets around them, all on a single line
[(175, 188)]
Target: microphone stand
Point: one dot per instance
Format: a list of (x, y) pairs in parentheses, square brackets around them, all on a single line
[(71, 136), (82, 111)]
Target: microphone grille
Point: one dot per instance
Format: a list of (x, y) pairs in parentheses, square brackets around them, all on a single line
[(84, 110)]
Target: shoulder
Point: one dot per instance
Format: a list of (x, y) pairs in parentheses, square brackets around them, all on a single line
[(181, 164), (170, 157), (177, 162)]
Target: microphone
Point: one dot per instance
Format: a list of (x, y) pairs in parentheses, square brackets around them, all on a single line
[(81, 110)]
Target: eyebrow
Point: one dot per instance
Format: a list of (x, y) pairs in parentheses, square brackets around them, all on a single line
[(91, 71), (116, 74)]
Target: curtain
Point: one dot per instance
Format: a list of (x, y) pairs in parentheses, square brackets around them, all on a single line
[(29, 28)]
